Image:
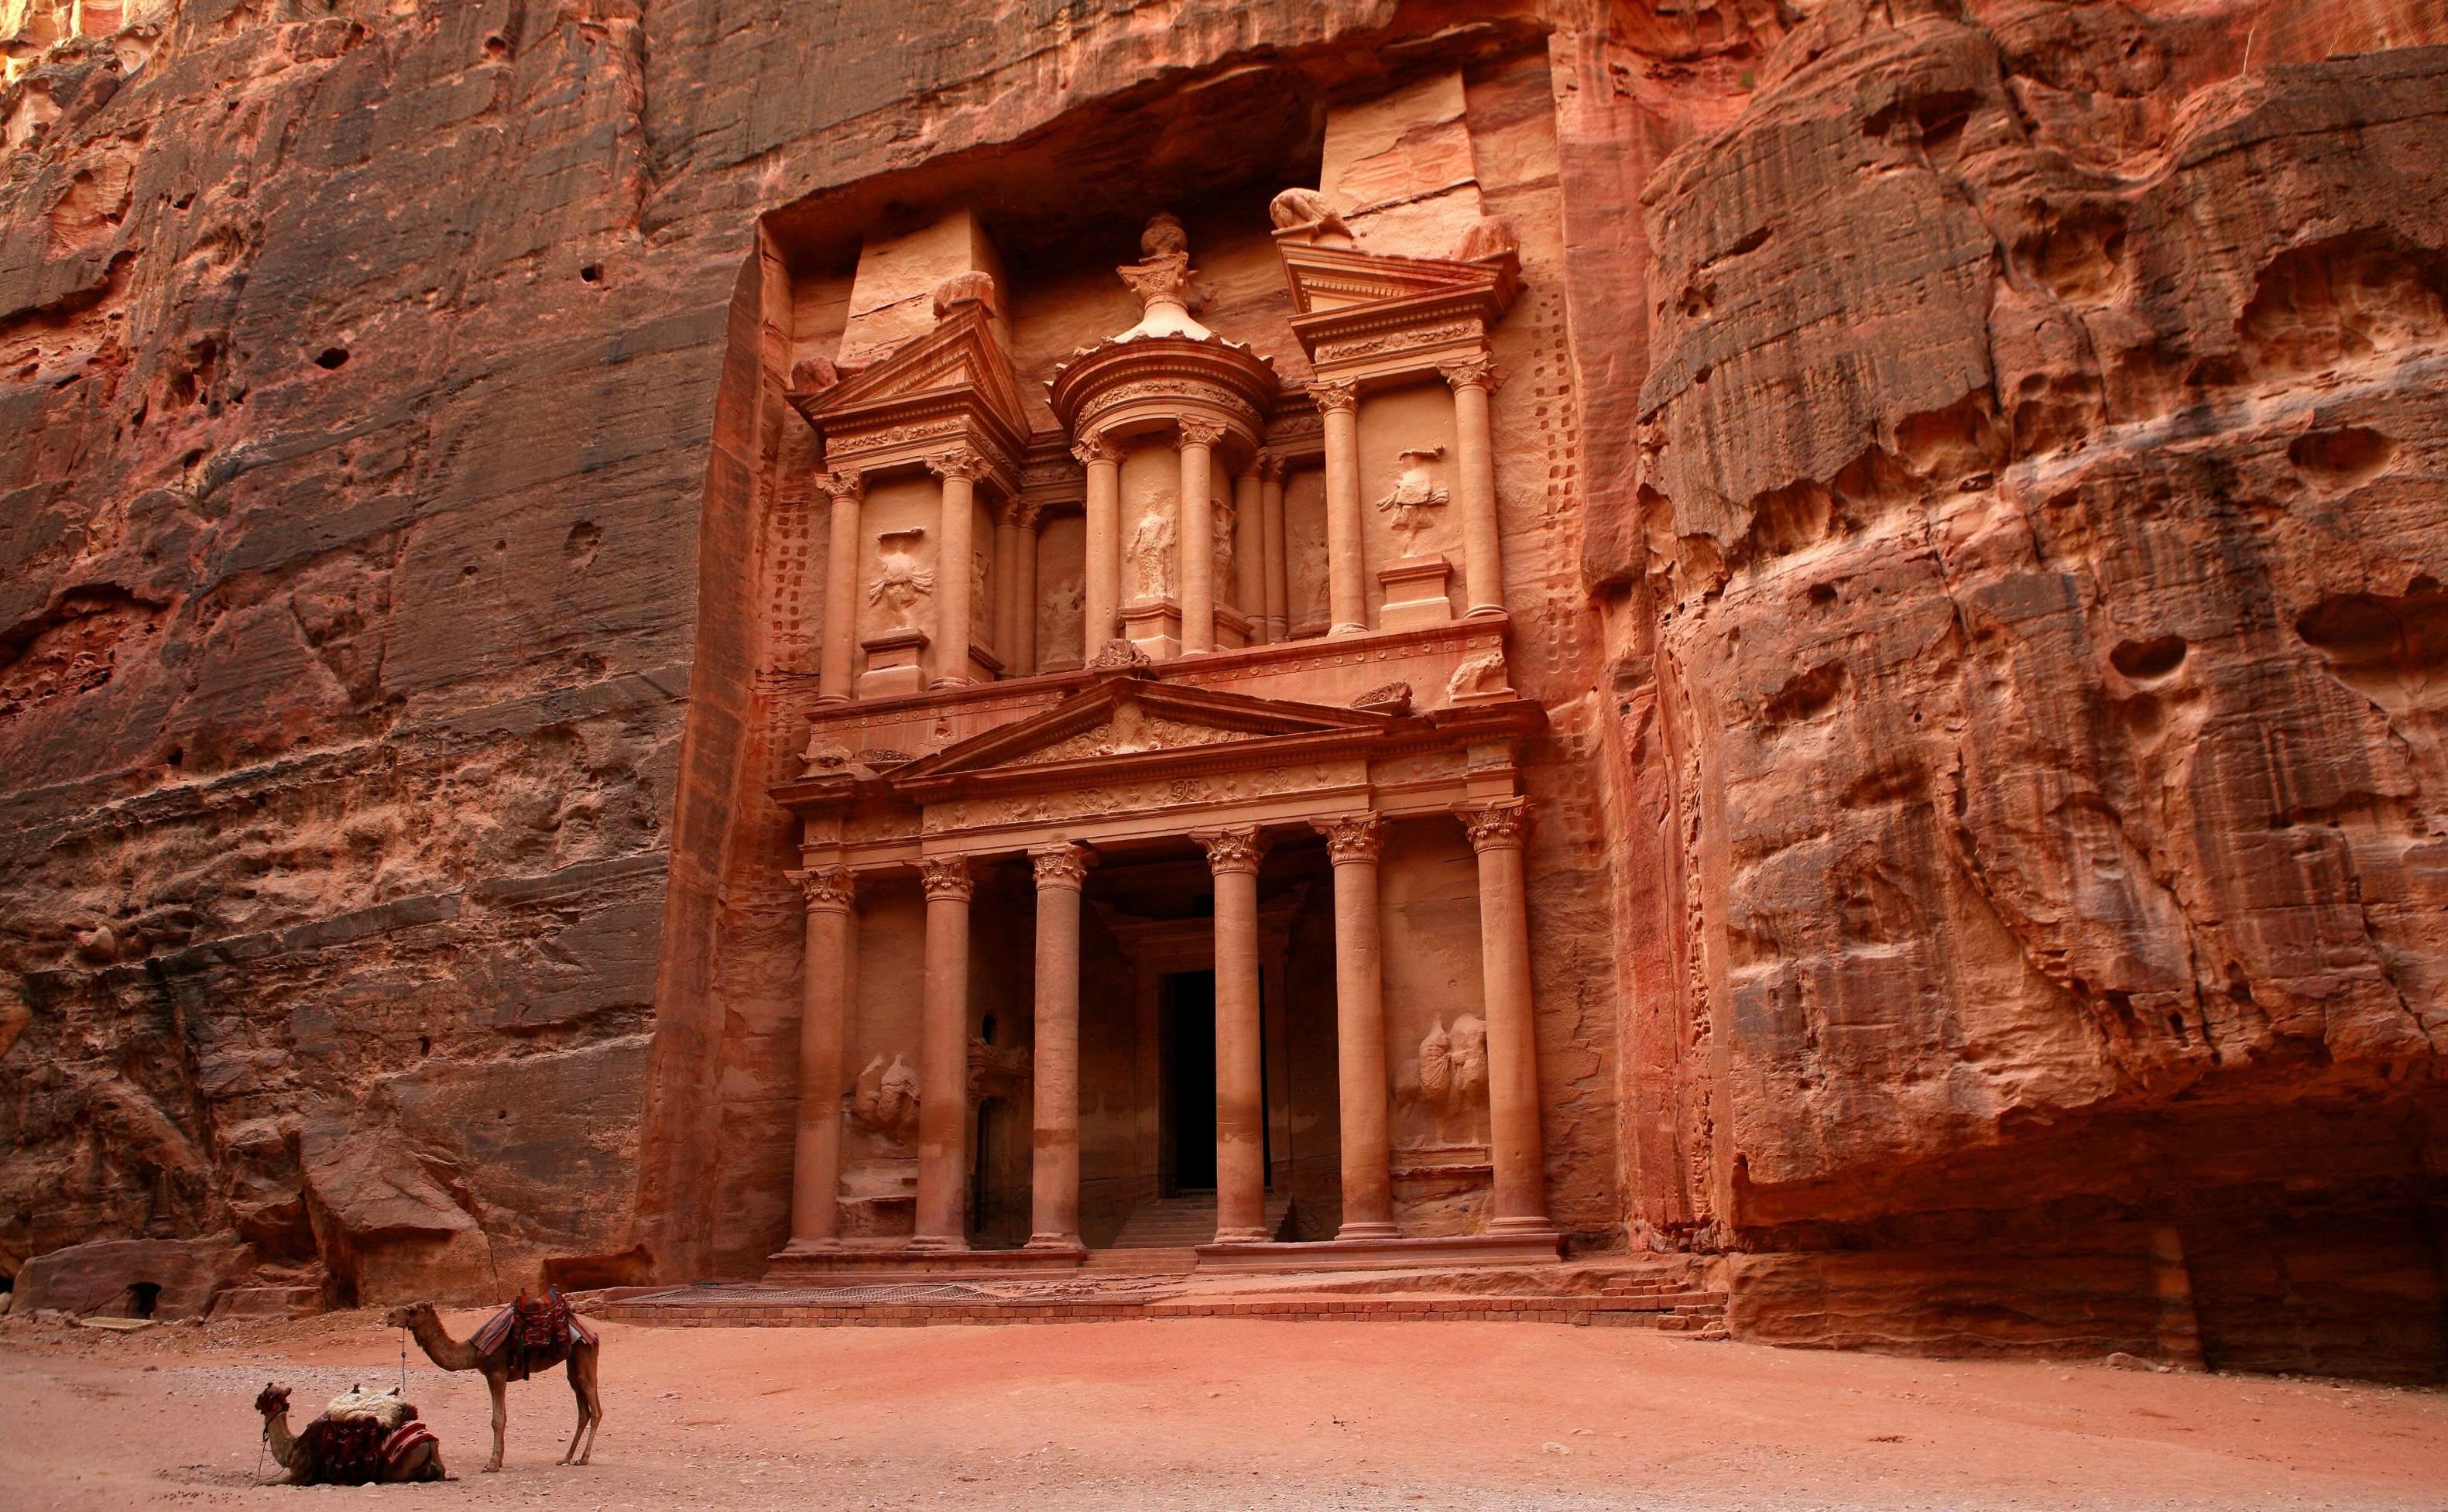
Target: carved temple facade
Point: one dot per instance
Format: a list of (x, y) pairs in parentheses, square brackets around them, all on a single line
[(1168, 826)]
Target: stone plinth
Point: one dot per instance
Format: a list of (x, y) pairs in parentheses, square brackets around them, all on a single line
[(1154, 625), (896, 665), (1415, 593)]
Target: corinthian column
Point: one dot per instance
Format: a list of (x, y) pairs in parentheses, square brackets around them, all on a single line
[(1196, 535), (943, 1057), (1061, 870), (1353, 844), (815, 1162), (848, 491), (1240, 1085), (955, 559), (1023, 651), (1277, 602), (1249, 552), (1512, 1034), (1101, 583), (1482, 568), (1346, 569)]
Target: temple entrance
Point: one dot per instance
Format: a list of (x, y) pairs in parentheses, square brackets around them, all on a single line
[(1190, 1080), (999, 1178)]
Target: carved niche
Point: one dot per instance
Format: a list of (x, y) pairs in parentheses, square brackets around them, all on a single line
[(1453, 1065)]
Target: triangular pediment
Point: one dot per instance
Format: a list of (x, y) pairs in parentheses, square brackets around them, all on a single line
[(1328, 278), (960, 358), (1126, 718)]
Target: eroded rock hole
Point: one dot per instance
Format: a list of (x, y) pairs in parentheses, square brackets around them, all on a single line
[(2148, 660), (332, 357), (1808, 694), (2342, 459), (2392, 650), (593, 272), (585, 538)]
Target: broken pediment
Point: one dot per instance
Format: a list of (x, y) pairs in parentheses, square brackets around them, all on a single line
[(1360, 313), (932, 388)]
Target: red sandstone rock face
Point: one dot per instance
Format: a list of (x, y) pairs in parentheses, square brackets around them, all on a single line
[(2011, 478), (2039, 486)]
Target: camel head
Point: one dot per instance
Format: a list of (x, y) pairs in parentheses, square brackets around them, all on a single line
[(272, 1400), (408, 1317)]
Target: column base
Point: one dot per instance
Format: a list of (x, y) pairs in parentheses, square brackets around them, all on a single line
[(1484, 611), (1367, 1231), (811, 1247), (1538, 1227), (1056, 1244), (938, 1244), (1335, 632), (1239, 1236)]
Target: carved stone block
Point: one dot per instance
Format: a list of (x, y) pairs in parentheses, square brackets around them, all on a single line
[(1415, 593), (896, 665)]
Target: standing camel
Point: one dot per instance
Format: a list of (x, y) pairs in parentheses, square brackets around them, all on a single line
[(501, 1363), (310, 1457)]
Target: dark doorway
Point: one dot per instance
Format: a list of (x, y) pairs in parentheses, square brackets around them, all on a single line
[(1190, 1034), (999, 1181), (143, 1297)]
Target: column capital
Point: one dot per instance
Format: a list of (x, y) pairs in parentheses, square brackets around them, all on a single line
[(1201, 433), (1271, 466), (1023, 513), (1477, 373), (1237, 850), (828, 889), (946, 878), (1091, 449), (956, 462), (1063, 866), (1332, 396), (1351, 837), (847, 484), (1498, 825)]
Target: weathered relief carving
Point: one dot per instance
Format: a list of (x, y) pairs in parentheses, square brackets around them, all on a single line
[(1480, 676), (1453, 1065), (1151, 549), (1059, 611), (885, 1098), (981, 604), (1118, 655), (1401, 341), (814, 374), (823, 756), (964, 288), (1415, 495), (876, 758), (1305, 209), (900, 584), (1390, 698), (1130, 731), (1489, 236)]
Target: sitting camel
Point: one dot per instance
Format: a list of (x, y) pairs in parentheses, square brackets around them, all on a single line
[(349, 1450), (502, 1355)]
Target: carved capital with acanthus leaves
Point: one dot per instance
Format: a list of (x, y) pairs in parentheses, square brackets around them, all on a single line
[(1499, 825), (946, 878), (1098, 448), (1352, 837), (1480, 373), (828, 889), (1335, 398), (842, 486), (1238, 850), (1201, 433), (956, 462), (1271, 466), (1062, 866)]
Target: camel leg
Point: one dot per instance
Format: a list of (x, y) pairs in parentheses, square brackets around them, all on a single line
[(570, 1455), (590, 1397), (500, 1386)]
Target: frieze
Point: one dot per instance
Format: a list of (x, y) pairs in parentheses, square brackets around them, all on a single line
[(1118, 799), (1176, 389), (1402, 340)]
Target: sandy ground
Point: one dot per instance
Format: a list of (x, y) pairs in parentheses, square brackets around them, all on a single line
[(1213, 1414)]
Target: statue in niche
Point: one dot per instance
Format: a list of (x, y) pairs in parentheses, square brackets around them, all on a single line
[(1222, 517), (900, 582), (885, 1100), (1061, 609), (1151, 549), (1453, 1065), (981, 615), (1414, 494)]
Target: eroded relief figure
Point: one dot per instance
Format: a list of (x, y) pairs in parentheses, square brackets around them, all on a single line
[(1151, 550), (1222, 518), (885, 1096), (900, 582), (1414, 495), (1453, 1065), (981, 605), (1058, 612)]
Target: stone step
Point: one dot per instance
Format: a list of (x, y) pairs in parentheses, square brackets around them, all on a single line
[(1170, 1223), (1146, 1260)]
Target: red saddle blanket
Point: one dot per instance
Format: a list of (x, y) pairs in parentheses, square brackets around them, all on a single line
[(352, 1451), (538, 1329)]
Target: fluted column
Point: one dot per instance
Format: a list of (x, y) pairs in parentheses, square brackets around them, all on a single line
[(1346, 558), (824, 1011), (1195, 533), (1240, 1075), (1513, 1138), (1278, 605), (1022, 653), (1101, 582), (955, 559), (1482, 566), (1054, 1172), (943, 1057), (848, 491), (1353, 844), (1249, 552), (1005, 632)]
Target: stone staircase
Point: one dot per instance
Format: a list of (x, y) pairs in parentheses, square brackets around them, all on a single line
[(1163, 1236)]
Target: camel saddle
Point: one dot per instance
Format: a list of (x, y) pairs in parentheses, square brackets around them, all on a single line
[(354, 1450), (535, 1332)]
